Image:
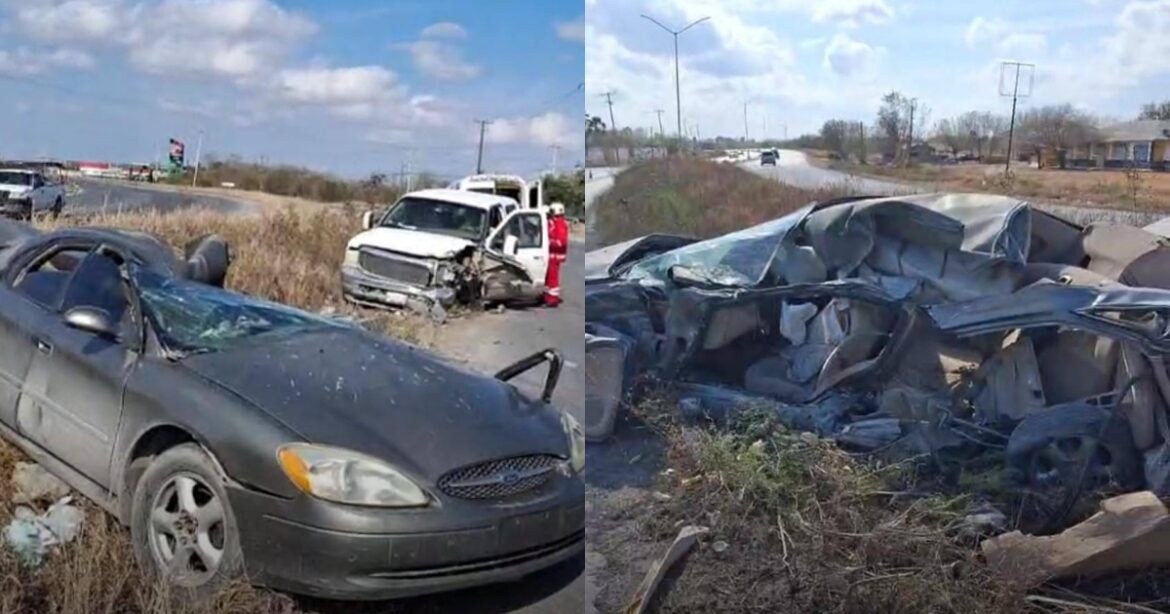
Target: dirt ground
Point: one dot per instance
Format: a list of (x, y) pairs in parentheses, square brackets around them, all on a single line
[(1146, 191)]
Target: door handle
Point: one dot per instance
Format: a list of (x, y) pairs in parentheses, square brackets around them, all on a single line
[(44, 347)]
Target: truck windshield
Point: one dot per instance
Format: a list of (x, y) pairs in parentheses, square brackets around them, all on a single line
[(15, 178), (437, 216)]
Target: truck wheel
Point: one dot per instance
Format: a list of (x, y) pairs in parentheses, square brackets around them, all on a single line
[(182, 523)]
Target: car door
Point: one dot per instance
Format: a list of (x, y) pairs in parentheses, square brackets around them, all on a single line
[(39, 192), (72, 402), (529, 228)]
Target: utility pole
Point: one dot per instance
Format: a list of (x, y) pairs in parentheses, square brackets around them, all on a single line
[(555, 149), (1015, 94), (745, 123), (661, 131), (861, 125), (609, 100), (677, 95), (910, 132), (483, 124), (198, 150)]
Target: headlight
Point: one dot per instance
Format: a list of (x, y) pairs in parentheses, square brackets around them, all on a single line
[(576, 441), (351, 257), (342, 476)]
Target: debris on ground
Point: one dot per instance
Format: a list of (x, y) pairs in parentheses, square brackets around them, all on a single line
[(32, 536), (687, 537), (938, 327), (1132, 531), (32, 483)]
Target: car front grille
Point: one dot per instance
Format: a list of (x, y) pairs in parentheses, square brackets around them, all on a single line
[(397, 269), (499, 479)]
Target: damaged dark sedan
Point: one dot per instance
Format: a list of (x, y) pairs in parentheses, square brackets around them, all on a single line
[(240, 437), (923, 324)]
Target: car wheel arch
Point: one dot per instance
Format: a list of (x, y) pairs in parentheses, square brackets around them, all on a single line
[(149, 444)]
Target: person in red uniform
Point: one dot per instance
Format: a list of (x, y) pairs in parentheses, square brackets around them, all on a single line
[(558, 250)]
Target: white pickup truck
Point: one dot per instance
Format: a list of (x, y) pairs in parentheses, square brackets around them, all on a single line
[(437, 247), (25, 193)]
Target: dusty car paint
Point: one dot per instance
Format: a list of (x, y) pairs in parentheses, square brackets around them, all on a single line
[(93, 410)]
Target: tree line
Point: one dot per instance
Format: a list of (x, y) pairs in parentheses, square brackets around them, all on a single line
[(902, 122)]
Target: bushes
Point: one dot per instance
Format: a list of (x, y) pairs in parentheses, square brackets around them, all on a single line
[(695, 197), (294, 181)]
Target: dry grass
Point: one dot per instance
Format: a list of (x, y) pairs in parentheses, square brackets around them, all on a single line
[(292, 256), (696, 197), (1099, 188), (809, 528)]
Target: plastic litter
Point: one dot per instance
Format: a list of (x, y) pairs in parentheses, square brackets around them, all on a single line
[(31, 483), (33, 535)]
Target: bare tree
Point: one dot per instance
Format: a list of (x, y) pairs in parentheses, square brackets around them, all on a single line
[(1156, 110), (1058, 127), (833, 134), (950, 133), (899, 119)]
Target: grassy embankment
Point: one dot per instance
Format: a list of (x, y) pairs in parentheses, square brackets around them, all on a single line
[(1108, 189)]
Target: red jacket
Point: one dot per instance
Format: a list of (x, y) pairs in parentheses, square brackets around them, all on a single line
[(558, 235)]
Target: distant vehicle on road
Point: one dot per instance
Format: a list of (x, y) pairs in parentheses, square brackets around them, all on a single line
[(530, 194), (768, 156), (25, 193), (435, 247), (243, 439)]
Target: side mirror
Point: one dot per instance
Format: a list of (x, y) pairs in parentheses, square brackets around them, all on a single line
[(91, 320), (510, 245), (367, 220)]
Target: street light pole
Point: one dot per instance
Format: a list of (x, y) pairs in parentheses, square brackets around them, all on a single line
[(677, 87), (198, 150)]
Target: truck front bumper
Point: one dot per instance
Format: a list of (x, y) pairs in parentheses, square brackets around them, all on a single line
[(361, 287)]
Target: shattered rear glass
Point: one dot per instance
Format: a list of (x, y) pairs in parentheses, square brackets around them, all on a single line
[(193, 318), (737, 259)]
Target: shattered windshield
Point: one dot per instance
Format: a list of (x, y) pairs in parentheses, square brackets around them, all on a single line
[(737, 259), (437, 216), (193, 318)]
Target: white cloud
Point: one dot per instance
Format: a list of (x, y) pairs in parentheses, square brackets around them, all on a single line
[(443, 29), (205, 108), (26, 61), (439, 60), (846, 56), (353, 85), (547, 129), (1004, 38), (571, 30), (851, 12), (67, 20), (233, 38)]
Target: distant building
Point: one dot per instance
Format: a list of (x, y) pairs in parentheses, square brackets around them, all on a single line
[(1143, 143)]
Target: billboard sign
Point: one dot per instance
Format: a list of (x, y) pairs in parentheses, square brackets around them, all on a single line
[(177, 150)]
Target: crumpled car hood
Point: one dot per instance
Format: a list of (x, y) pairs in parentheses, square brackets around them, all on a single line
[(411, 242), (348, 388)]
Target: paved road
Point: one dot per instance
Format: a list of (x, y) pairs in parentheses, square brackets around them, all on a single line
[(793, 168), (92, 195), (597, 181)]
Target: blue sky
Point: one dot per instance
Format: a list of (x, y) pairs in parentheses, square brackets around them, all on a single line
[(800, 62), (350, 86)]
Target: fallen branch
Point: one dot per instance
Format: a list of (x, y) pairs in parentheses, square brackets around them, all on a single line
[(681, 545)]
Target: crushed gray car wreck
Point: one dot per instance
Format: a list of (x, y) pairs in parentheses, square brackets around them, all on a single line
[(923, 324)]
